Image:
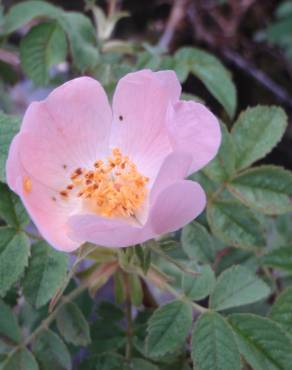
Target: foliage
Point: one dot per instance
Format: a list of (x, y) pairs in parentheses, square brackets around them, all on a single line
[(280, 31), (227, 274)]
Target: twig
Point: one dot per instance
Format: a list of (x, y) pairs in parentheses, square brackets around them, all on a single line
[(176, 15), (112, 7), (160, 282), (99, 274), (10, 58), (272, 278), (71, 273), (235, 58), (33, 236), (46, 323), (258, 75), (173, 261), (128, 310), (182, 297)]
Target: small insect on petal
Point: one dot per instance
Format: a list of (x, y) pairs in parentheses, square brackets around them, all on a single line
[(27, 185)]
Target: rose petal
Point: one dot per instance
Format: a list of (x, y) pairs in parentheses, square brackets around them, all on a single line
[(193, 128), (139, 107), (48, 212), (175, 167), (13, 166), (107, 232), (176, 206), (69, 129)]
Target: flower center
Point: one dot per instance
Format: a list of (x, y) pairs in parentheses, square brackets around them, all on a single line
[(114, 188)]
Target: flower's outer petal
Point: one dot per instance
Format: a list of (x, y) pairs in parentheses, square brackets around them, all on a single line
[(14, 171), (169, 79), (69, 129), (176, 206), (139, 128), (47, 211), (175, 167), (49, 217), (107, 232), (193, 128)]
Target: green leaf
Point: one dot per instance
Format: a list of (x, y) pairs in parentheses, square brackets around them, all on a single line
[(143, 254), (106, 23), (199, 287), (24, 12), (46, 272), (140, 364), (212, 73), (198, 243), (237, 286), (14, 253), (283, 231), (78, 27), (43, 46), (213, 344), (22, 359), (9, 126), (188, 96), (11, 209), (284, 9), (268, 189), (256, 132), (147, 60), (82, 39), (262, 342), (72, 325), (106, 336), (208, 185), (135, 289), (108, 361), (235, 224), (168, 327), (223, 165), (235, 256), (9, 329), (281, 310), (279, 33), (51, 352), (109, 311), (119, 287), (280, 258)]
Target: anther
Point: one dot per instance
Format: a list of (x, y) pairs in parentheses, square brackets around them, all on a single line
[(27, 185), (76, 173)]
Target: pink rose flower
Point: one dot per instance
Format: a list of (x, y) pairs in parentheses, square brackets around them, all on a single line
[(115, 177)]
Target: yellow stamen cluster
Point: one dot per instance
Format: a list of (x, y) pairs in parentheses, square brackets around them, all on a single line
[(111, 189)]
